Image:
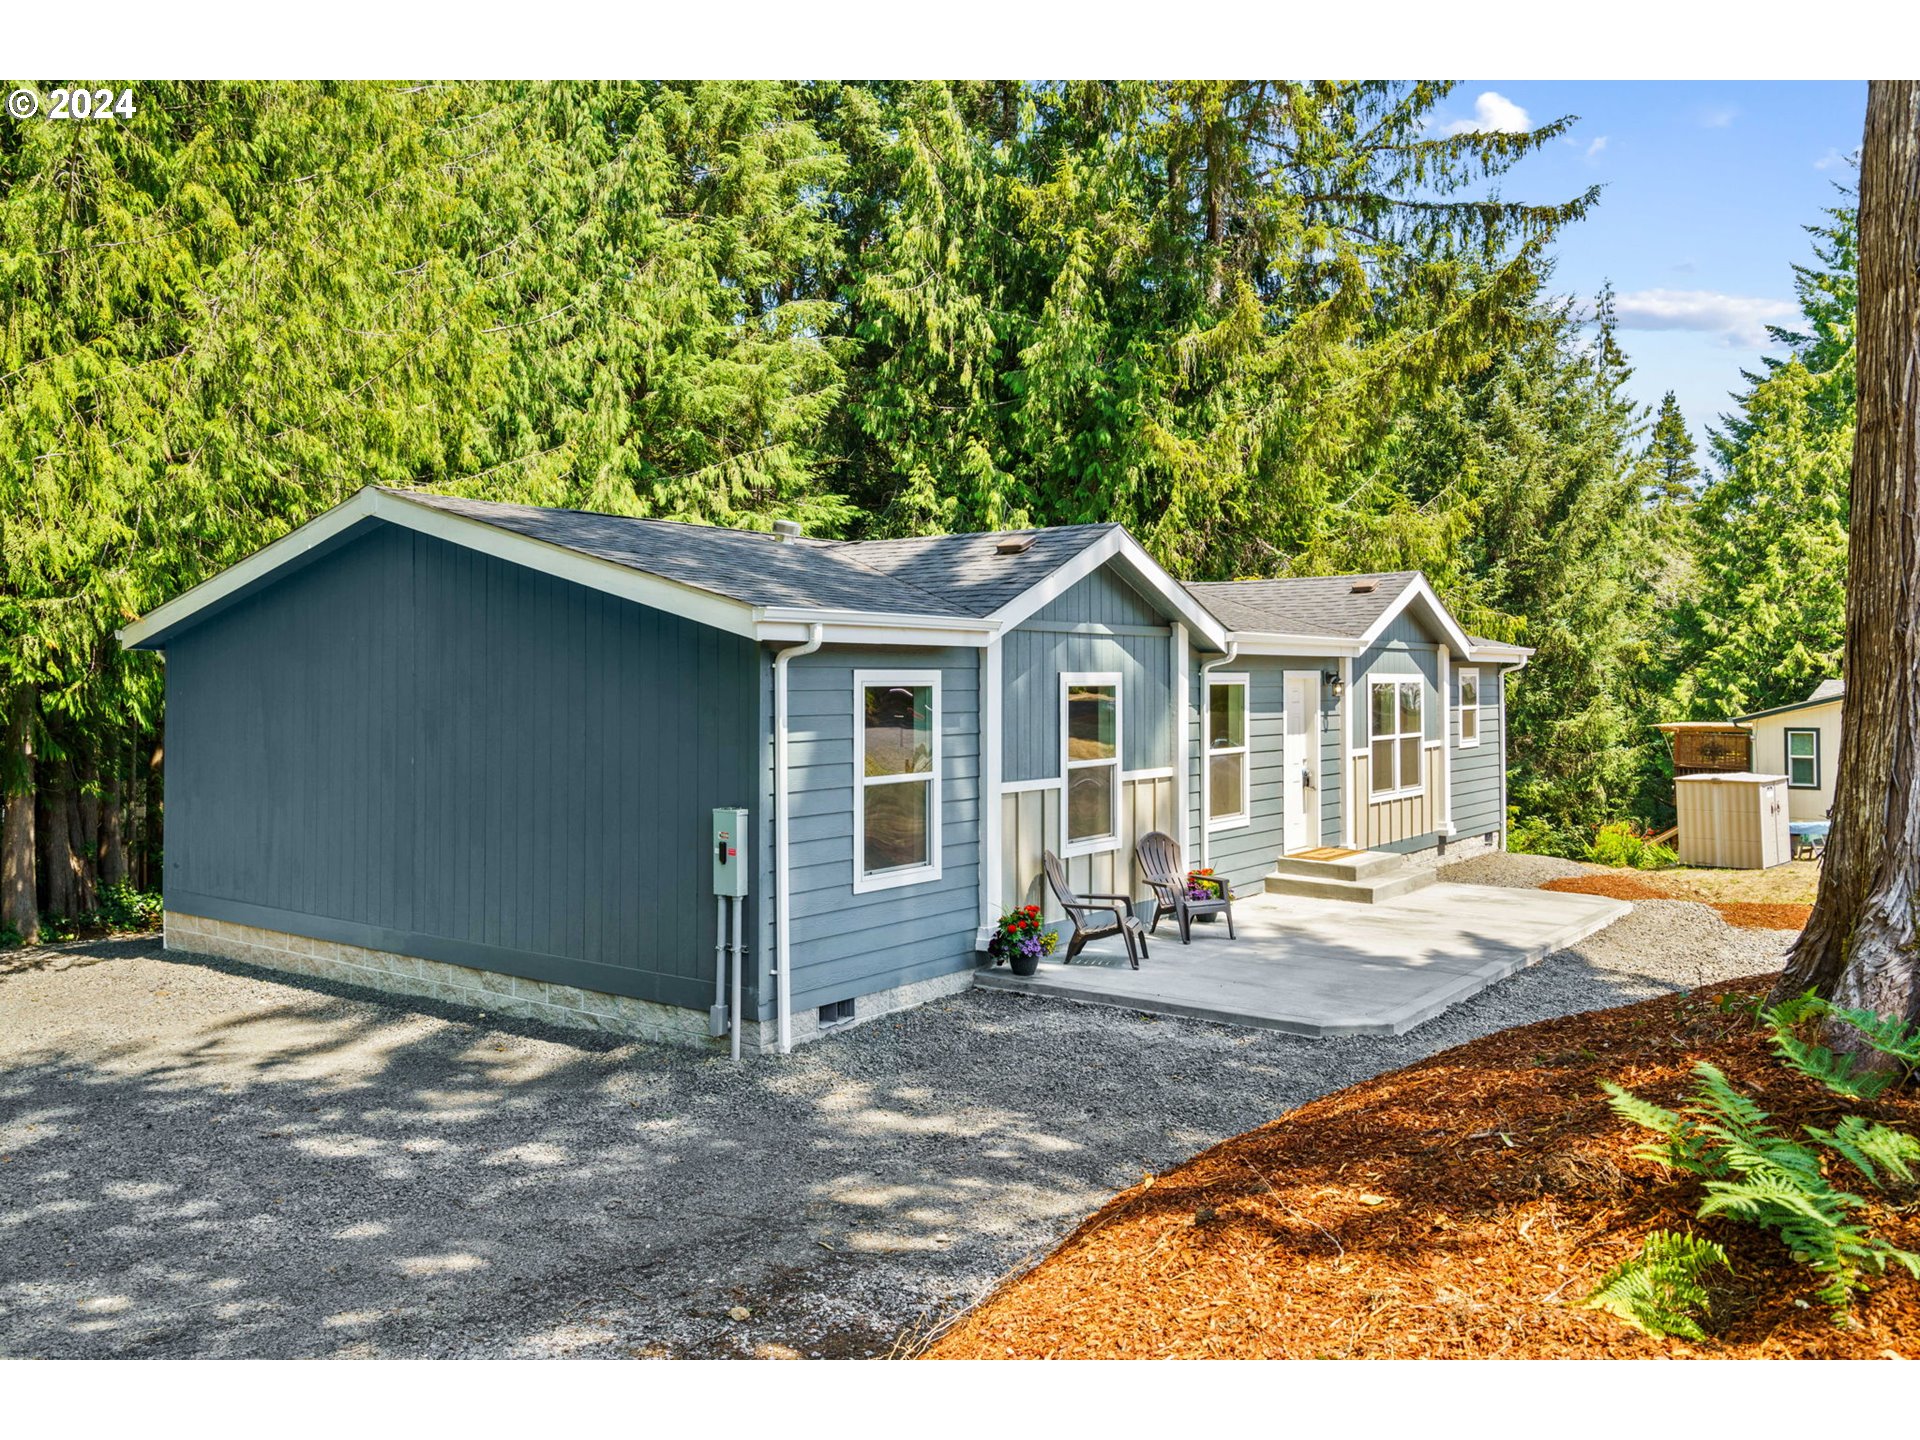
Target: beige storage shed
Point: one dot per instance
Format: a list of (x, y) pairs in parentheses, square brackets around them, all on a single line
[(1737, 821)]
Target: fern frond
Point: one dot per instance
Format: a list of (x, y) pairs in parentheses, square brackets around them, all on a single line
[(1660, 1290), (1872, 1149), (1889, 1034)]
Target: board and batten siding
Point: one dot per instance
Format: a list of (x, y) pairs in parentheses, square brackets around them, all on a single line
[(1030, 824), (413, 747), (844, 944), (1405, 649), (1101, 624)]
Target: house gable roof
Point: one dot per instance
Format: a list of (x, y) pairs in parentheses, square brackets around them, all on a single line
[(1326, 605)]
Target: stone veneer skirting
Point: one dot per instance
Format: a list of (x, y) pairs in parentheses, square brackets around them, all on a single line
[(563, 1005), (1458, 848)]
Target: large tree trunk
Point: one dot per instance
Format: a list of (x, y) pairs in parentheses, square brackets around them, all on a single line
[(113, 818), (19, 870), (1860, 947), (63, 872)]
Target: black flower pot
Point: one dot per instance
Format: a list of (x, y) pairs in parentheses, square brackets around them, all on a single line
[(1024, 964)]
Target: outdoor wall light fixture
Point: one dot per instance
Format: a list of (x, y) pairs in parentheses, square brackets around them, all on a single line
[(1331, 679)]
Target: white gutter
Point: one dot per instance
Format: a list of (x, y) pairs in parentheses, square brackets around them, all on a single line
[(1206, 785), (782, 949)]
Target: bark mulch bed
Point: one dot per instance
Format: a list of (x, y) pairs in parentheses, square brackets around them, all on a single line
[(1748, 914), (1459, 1208)]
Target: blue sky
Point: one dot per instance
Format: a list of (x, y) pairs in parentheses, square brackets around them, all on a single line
[(1707, 186)]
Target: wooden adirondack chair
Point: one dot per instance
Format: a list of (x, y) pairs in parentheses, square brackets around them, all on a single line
[(1159, 857), (1080, 907)]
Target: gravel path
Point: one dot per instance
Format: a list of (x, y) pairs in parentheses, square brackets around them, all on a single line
[(201, 1159)]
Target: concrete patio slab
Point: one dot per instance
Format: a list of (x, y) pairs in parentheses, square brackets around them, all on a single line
[(1329, 967)]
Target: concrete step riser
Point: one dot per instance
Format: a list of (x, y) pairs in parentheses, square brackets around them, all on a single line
[(1361, 867), (1360, 892)]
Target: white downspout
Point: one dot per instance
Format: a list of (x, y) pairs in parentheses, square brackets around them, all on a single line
[(1206, 738), (783, 984), (1447, 697)]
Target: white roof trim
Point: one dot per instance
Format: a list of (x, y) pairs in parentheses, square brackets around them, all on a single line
[(1418, 589), (1141, 567)]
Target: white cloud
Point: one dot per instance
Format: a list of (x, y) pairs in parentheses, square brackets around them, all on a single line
[(1718, 117), (1599, 144), (1492, 111), (1736, 319), (1832, 160)]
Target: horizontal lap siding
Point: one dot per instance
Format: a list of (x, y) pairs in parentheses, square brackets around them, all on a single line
[(1036, 654), (1476, 769), (844, 944), (417, 748)]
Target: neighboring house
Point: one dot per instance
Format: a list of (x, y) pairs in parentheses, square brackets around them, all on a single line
[(1802, 742), (471, 750)]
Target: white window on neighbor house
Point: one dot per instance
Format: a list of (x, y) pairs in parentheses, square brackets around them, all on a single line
[(1090, 761), (1228, 777), (1469, 708), (1397, 733), (896, 766), (1803, 759)]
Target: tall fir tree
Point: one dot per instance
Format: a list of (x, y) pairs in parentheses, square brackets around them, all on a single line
[(1676, 475)]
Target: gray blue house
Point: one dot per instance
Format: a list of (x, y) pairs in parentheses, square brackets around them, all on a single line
[(471, 751)]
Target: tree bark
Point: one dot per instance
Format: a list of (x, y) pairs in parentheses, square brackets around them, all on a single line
[(19, 873), (113, 820), (1860, 947), (62, 871)]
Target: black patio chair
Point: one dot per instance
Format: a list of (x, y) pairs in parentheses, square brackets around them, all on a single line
[(1079, 907), (1159, 857)]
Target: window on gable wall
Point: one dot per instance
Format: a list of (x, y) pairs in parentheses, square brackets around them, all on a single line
[(1469, 708), (1090, 722), (1227, 779), (897, 767), (1396, 735)]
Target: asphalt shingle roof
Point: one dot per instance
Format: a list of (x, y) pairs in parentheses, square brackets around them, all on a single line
[(933, 575), (1311, 605)]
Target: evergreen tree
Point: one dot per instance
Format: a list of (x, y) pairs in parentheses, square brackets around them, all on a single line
[(1676, 478)]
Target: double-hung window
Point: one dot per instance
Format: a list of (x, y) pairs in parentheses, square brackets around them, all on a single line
[(1803, 759), (1227, 771), (1090, 740), (896, 792), (1397, 716), (1469, 708)]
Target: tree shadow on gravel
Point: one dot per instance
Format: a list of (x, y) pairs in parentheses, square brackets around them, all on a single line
[(330, 1173)]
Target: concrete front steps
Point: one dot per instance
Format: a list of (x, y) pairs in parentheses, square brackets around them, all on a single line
[(1366, 877)]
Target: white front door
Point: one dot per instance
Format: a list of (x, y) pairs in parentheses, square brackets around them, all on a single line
[(1300, 762)]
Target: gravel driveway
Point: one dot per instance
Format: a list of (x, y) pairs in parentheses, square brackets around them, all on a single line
[(199, 1159)]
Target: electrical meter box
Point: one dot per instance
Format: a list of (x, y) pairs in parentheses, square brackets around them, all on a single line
[(730, 851)]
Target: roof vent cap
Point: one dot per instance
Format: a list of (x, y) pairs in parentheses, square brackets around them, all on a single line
[(1013, 544), (786, 530), (1364, 587)]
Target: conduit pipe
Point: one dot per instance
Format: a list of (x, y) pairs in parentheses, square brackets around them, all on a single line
[(782, 982), (1206, 740)]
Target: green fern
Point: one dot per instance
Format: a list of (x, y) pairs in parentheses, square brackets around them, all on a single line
[(1887, 1034), (1752, 1172), (1660, 1290)]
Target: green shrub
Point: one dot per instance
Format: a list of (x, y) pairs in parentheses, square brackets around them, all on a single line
[(1534, 835), (122, 907), (1619, 844), (1751, 1172), (1660, 1290)]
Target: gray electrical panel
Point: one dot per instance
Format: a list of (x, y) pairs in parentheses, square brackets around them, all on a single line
[(729, 841)]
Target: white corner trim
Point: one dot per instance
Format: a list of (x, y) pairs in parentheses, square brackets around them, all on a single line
[(864, 881)]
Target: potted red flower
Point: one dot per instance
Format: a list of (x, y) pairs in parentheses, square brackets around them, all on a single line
[(1022, 939)]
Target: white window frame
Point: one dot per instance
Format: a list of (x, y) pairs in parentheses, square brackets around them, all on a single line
[(1375, 795), (1244, 750), (1098, 844), (1787, 742), (863, 881), (1475, 708)]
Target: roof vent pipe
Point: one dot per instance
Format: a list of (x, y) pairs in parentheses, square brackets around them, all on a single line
[(787, 530)]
